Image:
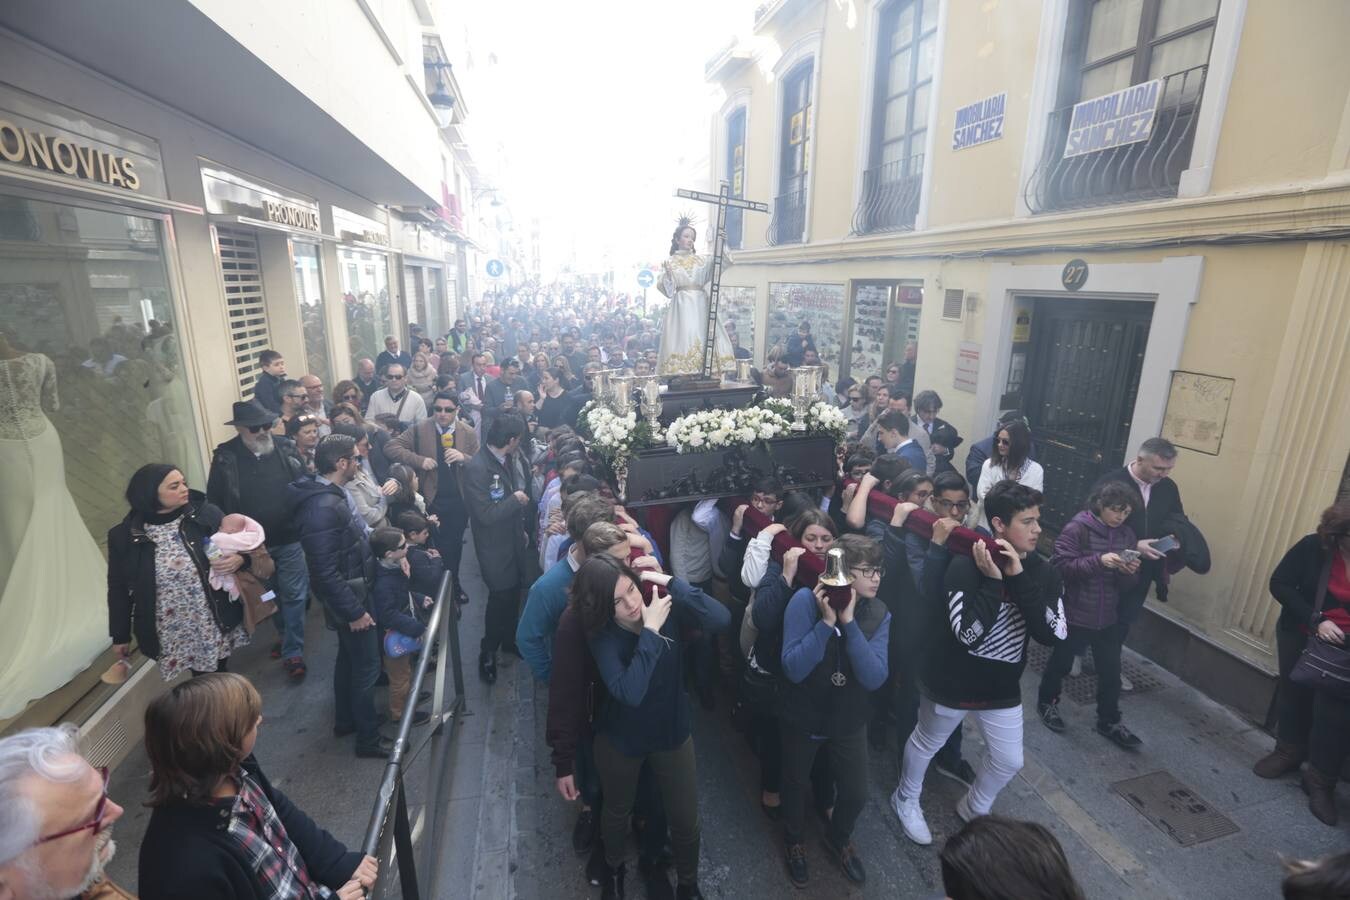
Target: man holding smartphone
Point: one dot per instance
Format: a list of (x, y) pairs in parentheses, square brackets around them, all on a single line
[(1150, 474)]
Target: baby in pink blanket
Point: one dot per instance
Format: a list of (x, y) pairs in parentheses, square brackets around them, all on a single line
[(237, 534)]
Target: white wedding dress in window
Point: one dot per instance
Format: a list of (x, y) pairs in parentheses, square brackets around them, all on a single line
[(53, 608)]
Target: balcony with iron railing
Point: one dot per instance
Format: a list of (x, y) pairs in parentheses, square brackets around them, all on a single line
[(787, 224), (890, 196), (1148, 170)]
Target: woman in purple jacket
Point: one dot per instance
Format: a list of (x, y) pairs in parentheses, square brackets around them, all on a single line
[(1096, 558)]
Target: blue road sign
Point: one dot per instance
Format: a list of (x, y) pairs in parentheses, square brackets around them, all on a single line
[(646, 278), (495, 268)]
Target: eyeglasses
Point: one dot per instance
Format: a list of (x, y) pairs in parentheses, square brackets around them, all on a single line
[(869, 572), (958, 505), (258, 429), (297, 396), (444, 409), (307, 420), (351, 395), (1003, 442), (393, 378), (96, 823)]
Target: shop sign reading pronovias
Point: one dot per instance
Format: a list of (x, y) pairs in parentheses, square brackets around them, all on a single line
[(38, 134)]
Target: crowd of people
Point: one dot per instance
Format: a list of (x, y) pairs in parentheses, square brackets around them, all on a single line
[(360, 498)]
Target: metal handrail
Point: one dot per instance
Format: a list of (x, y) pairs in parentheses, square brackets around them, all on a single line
[(393, 846), (890, 196), (1147, 170), (788, 223)]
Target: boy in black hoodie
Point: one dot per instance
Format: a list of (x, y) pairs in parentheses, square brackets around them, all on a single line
[(976, 661)]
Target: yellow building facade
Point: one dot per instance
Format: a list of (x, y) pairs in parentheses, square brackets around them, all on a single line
[(1125, 219)]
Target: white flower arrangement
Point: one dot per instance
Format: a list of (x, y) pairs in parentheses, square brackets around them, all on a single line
[(616, 437), (826, 418), (718, 429)]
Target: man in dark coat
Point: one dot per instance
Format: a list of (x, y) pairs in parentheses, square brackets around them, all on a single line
[(249, 475), (339, 572), (1148, 474), (497, 503)]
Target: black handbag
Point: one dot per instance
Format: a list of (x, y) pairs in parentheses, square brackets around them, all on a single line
[(1323, 666), (758, 688)]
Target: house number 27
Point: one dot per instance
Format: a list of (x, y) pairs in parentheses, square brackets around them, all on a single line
[(1075, 274)]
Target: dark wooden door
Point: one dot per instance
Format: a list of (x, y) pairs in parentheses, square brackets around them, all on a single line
[(1082, 379)]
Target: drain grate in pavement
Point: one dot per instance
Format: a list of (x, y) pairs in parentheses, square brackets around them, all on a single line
[(1176, 809), (1083, 689)]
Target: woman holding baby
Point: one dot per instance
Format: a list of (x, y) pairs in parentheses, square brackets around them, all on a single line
[(168, 584)]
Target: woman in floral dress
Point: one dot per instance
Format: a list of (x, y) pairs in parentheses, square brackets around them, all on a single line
[(158, 569)]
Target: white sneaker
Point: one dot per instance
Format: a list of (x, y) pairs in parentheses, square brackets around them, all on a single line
[(963, 808), (1077, 668), (911, 819), (1125, 683)]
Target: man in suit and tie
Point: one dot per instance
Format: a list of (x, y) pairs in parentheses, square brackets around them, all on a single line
[(497, 502), (475, 390), (437, 448)]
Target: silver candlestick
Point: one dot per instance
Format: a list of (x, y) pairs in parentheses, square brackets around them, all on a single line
[(805, 389)]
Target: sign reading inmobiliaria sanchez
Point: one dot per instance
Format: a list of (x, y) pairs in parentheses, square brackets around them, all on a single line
[(980, 122), (1124, 117)]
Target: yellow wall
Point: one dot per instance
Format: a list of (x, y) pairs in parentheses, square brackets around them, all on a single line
[(988, 49), (1288, 95)]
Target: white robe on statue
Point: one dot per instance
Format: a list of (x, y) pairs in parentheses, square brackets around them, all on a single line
[(684, 280)]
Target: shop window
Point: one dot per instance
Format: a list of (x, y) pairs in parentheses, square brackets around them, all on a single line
[(91, 388), (906, 56), (309, 294), (1112, 45), (365, 296)]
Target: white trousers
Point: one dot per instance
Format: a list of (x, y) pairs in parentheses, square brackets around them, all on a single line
[(1002, 732)]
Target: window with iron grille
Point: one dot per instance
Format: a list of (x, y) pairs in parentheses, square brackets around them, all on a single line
[(1112, 45), (735, 169), (906, 53), (789, 209), (245, 308)]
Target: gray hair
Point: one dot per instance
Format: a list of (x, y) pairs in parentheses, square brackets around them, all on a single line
[(46, 752), (1158, 448)]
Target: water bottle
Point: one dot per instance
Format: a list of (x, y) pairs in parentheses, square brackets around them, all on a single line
[(497, 492), (212, 552)]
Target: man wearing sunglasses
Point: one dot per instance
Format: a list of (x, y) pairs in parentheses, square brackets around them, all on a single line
[(437, 450), (55, 817), (249, 476), (396, 399)]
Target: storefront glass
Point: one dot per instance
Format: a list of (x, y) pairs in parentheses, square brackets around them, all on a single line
[(365, 296), (309, 294), (91, 388)]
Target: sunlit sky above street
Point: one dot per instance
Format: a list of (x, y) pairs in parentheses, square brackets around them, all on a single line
[(601, 111)]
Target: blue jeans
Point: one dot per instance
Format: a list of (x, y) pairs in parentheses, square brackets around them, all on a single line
[(291, 583), (354, 674)]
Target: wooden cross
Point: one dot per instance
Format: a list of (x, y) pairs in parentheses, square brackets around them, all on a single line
[(724, 201)]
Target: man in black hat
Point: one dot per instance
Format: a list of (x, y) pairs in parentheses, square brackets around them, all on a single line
[(249, 475)]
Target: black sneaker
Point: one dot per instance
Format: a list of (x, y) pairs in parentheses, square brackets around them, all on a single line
[(848, 860), (612, 887), (1119, 735), (798, 874), (656, 879), (583, 832), (957, 769), (379, 750), (687, 892), (595, 866), (1049, 713)]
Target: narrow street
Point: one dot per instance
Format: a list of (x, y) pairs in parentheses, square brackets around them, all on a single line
[(508, 834)]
